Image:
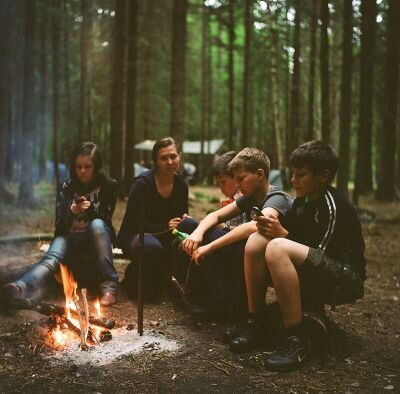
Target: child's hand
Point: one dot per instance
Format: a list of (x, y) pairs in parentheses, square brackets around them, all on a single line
[(270, 226), (191, 243), (80, 207), (185, 215), (173, 223), (199, 253)]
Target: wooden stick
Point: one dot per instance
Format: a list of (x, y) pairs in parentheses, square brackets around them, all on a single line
[(77, 331), (53, 309), (86, 311), (140, 282), (75, 298), (214, 365)]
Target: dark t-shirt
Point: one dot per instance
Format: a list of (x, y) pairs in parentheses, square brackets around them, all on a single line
[(148, 209), (275, 198)]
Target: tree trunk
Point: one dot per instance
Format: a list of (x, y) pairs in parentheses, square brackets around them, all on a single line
[(5, 95), (345, 101), (275, 97), (43, 94), (117, 93), (71, 136), (148, 72), (363, 177), (25, 197), (204, 88), (386, 183), (248, 26), (56, 84), (231, 75), (295, 127), (131, 92), (84, 86), (311, 82), (324, 70), (178, 80)]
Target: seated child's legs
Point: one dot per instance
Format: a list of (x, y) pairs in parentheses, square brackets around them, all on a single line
[(256, 274), (153, 267), (282, 257), (34, 281), (188, 225), (329, 280), (101, 238)]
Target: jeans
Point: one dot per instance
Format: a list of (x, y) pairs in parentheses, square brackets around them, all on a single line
[(87, 254)]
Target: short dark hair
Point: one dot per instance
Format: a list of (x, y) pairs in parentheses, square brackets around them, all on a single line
[(220, 166), (317, 155), (90, 149), (163, 143), (251, 159)]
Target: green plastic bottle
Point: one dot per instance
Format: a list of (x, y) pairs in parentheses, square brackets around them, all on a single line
[(180, 234)]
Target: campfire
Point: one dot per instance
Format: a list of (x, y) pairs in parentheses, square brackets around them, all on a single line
[(76, 320)]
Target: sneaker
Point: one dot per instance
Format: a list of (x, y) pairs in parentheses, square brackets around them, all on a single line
[(230, 333), (12, 293), (249, 338), (108, 299), (290, 355)]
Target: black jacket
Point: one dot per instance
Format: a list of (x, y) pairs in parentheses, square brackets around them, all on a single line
[(331, 224), (105, 210), (148, 210)]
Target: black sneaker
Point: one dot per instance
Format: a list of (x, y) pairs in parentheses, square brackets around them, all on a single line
[(290, 355), (248, 338)]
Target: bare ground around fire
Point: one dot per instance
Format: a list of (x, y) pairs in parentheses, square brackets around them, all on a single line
[(362, 353)]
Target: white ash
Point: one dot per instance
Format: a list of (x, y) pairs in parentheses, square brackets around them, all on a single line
[(123, 343)]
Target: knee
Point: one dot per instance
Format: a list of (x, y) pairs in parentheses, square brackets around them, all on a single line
[(152, 247), (275, 250), (255, 245), (98, 227), (188, 225)]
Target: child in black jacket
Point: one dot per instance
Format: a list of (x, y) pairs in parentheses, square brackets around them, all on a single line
[(319, 256), (84, 208)]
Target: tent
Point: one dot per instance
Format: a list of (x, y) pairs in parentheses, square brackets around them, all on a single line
[(211, 147)]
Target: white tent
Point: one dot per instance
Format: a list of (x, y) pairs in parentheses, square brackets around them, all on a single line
[(211, 147)]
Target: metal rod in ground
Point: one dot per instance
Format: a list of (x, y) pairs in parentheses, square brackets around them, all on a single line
[(140, 283)]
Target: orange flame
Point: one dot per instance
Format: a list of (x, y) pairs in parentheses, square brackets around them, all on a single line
[(70, 286), (59, 336), (97, 306)]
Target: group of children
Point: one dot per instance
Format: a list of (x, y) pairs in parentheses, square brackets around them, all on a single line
[(310, 250)]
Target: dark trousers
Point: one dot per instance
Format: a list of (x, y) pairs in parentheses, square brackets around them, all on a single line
[(157, 264), (218, 282), (87, 254)]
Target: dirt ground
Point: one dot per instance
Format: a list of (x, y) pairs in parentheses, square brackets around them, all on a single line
[(362, 353)]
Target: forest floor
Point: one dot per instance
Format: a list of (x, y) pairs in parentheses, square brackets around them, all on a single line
[(180, 354)]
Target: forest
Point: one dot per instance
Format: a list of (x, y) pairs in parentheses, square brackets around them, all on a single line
[(270, 74)]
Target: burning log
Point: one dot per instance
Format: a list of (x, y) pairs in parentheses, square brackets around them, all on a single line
[(104, 335), (83, 318), (57, 310)]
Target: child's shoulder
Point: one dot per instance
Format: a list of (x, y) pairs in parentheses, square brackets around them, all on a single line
[(340, 202)]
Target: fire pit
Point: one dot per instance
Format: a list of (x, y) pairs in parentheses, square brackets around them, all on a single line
[(78, 333)]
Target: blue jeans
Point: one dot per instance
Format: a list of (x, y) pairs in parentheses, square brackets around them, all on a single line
[(87, 254)]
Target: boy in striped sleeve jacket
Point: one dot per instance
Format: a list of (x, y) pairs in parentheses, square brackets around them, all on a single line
[(319, 257)]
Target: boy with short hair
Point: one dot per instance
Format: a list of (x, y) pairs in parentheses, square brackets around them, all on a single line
[(250, 169), (227, 184), (319, 255)]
